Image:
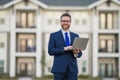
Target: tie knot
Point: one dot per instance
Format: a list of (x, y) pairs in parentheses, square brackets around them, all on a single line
[(66, 33)]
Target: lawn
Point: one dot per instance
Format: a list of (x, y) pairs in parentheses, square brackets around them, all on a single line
[(81, 77), (6, 77), (78, 79), (50, 77)]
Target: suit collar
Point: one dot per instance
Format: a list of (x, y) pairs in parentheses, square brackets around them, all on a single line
[(62, 38), (65, 31)]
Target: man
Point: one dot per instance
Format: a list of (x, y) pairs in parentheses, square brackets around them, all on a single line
[(65, 63)]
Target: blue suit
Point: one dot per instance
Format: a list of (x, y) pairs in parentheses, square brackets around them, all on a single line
[(63, 60)]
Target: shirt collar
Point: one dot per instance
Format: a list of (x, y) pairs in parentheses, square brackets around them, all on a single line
[(65, 31)]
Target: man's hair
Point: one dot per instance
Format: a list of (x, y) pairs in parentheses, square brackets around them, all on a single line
[(65, 14)]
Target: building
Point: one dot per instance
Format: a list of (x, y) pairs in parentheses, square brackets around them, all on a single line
[(25, 26)]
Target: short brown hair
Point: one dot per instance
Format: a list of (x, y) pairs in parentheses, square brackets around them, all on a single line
[(65, 14)]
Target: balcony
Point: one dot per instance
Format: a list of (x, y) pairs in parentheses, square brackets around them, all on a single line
[(108, 67), (25, 19), (108, 43), (108, 20), (26, 42)]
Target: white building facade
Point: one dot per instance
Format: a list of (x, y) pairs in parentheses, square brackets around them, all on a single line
[(25, 26)]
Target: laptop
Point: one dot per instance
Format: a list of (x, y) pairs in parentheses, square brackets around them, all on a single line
[(80, 43)]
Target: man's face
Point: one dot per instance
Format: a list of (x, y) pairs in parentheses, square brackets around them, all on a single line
[(65, 22)]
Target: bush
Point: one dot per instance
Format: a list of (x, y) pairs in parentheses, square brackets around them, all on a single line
[(84, 76), (46, 77), (88, 77), (118, 79), (2, 76), (6, 76), (81, 77)]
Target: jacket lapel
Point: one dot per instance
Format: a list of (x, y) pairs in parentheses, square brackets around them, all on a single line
[(61, 38), (72, 38)]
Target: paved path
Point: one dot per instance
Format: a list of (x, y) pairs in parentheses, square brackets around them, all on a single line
[(24, 78)]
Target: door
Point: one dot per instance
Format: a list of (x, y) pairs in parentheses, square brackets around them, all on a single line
[(106, 70), (26, 69), (23, 69)]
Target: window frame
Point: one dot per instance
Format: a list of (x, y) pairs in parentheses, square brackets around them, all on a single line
[(18, 41), (106, 20)]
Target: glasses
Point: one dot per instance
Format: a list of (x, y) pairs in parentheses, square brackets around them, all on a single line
[(65, 20)]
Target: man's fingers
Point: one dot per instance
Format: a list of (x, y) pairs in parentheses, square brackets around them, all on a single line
[(68, 48), (75, 51)]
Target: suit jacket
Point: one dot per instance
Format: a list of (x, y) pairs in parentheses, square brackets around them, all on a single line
[(62, 59)]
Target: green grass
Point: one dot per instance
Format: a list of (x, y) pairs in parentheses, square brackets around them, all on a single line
[(88, 77), (49, 77), (81, 77), (6, 77), (118, 79)]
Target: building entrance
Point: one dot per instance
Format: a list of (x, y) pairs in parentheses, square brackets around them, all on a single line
[(106, 70), (108, 67), (25, 66)]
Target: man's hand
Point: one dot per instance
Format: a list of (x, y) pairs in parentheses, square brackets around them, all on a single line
[(76, 51), (68, 48)]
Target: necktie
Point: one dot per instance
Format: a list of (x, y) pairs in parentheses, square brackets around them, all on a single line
[(67, 41)]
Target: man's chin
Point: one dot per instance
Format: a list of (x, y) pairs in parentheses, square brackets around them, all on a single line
[(65, 28)]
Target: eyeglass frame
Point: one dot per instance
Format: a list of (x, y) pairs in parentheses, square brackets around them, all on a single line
[(65, 21)]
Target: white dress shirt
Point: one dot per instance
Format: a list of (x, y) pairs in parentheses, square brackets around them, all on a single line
[(63, 33)]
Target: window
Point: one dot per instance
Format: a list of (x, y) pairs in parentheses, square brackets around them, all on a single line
[(2, 21), (26, 19), (1, 44), (2, 40), (49, 21), (106, 70), (84, 22), (76, 21), (26, 42), (49, 69), (57, 21), (25, 66), (108, 43), (84, 66), (1, 66), (108, 67), (108, 20)]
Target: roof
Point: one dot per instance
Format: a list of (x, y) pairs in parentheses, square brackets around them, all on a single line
[(59, 2), (68, 2), (2, 2)]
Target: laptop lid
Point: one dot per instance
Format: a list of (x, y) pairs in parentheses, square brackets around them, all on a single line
[(80, 43)]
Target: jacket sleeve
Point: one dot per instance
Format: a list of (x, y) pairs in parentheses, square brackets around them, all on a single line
[(52, 50), (79, 54)]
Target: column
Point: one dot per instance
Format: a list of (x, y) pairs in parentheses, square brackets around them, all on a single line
[(12, 44), (119, 44), (119, 48), (12, 55), (38, 44), (95, 44), (5, 52), (119, 65)]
